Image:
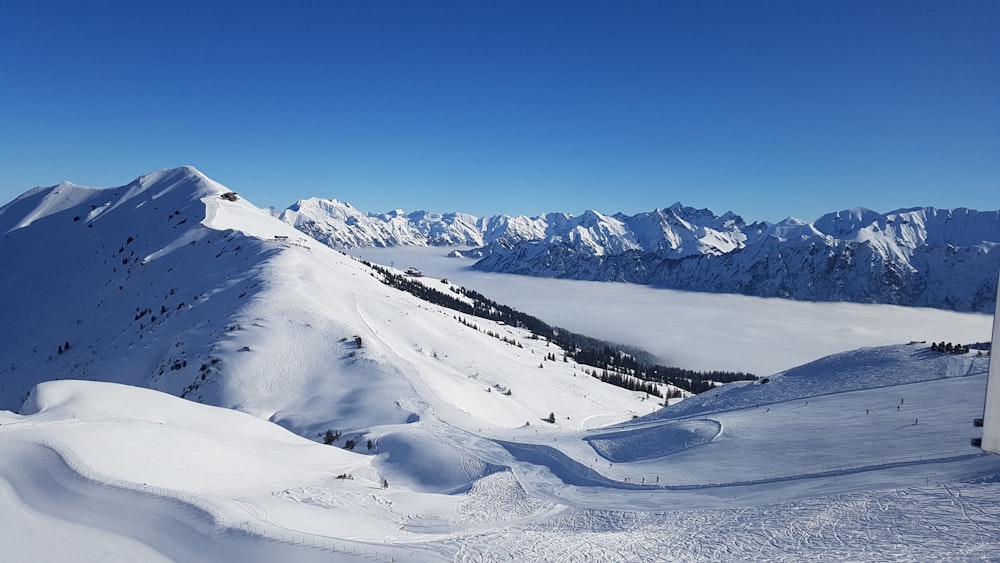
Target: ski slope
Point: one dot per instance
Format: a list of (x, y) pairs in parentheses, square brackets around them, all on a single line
[(827, 470)]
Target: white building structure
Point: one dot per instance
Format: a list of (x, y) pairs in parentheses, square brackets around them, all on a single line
[(991, 414)]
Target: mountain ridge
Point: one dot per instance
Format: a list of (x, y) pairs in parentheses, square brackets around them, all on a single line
[(175, 283), (916, 256)]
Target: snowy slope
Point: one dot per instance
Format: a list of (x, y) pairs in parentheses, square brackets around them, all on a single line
[(110, 272), (860, 456), (166, 284)]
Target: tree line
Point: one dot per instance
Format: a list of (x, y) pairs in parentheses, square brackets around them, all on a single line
[(614, 358)]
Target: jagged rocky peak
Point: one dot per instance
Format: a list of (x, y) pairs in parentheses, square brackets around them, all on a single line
[(687, 213)]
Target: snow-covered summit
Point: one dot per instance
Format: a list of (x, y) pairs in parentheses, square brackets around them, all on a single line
[(176, 283), (340, 225), (44, 201), (792, 228), (921, 256), (676, 230)]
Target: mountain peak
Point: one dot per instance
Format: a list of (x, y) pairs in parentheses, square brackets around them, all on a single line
[(169, 179), (792, 228), (847, 221)]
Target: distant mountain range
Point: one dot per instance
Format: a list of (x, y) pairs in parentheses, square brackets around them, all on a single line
[(928, 257)]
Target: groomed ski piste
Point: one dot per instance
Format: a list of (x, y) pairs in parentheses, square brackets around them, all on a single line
[(863, 455), (860, 456)]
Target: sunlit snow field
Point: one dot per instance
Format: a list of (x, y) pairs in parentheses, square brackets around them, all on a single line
[(493, 452), (701, 331), (815, 471)]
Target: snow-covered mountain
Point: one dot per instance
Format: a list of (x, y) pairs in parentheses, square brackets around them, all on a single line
[(472, 440), (941, 258), (174, 282), (340, 225), (676, 231)]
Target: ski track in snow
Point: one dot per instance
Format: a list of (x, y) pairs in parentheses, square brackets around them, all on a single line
[(916, 524), (529, 513)]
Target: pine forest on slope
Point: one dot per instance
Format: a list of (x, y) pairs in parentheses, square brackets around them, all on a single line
[(622, 366)]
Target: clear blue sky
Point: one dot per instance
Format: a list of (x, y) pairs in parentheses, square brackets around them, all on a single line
[(766, 108)]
